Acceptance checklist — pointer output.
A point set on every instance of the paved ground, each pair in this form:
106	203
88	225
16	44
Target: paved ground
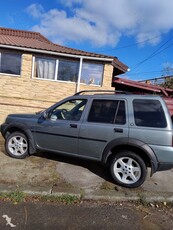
52	174
88	215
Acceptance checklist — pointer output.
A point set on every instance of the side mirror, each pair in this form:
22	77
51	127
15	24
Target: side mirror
45	114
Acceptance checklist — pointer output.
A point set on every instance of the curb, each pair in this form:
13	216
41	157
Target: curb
95	196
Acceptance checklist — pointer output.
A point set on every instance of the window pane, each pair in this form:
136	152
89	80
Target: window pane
10	63
121	114
45	68
70	110
68	70
92	73
103	111
149	113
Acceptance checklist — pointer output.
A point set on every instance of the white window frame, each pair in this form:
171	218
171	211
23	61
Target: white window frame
56	73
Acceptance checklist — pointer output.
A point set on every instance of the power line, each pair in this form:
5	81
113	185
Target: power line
156	52
126	46
163	49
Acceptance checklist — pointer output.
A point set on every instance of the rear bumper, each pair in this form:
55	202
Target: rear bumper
164	155
164	166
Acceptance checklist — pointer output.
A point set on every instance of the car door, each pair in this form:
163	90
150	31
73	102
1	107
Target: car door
105	122
59	132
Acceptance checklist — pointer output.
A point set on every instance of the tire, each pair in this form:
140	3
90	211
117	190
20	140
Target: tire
16	145
128	169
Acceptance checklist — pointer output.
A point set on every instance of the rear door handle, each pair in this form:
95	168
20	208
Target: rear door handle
116	130
73	125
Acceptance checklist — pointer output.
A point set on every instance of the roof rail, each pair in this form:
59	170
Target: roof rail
101	91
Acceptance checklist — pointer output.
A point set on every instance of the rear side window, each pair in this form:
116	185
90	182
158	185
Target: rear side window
107	111
149	113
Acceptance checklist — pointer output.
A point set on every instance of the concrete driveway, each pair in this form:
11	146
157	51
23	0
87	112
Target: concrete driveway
52	174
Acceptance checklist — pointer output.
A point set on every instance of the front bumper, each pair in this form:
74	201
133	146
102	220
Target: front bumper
3	129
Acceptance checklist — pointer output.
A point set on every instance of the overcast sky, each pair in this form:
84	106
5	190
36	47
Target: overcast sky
138	32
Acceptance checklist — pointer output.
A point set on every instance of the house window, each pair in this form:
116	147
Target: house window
92	73
68	70
45	68
10	63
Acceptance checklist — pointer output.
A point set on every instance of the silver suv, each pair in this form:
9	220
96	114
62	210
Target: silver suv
126	132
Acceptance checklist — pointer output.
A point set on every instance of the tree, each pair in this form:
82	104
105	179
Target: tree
168	76
167	70
168	82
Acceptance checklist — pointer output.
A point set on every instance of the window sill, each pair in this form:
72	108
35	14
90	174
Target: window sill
10	75
68	82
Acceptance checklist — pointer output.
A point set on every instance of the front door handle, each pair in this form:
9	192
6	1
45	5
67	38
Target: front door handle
116	130
73	125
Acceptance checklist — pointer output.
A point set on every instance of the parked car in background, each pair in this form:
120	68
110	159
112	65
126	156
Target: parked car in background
127	133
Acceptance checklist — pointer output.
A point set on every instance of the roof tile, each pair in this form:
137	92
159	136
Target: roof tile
34	40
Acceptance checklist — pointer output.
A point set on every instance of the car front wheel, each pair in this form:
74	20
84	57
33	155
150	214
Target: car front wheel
128	169
16	145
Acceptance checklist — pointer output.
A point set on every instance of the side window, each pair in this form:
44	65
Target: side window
107	111
149	113
70	110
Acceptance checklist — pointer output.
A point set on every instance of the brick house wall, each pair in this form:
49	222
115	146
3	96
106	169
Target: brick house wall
26	95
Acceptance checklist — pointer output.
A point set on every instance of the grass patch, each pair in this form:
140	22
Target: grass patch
16	197
107	186
142	200
65	199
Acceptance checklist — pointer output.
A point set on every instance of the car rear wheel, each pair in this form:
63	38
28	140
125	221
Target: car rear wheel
16	145
128	169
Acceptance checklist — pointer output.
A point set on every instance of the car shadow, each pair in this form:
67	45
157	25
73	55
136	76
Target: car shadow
93	166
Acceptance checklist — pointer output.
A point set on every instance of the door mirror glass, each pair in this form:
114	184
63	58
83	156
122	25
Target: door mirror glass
45	114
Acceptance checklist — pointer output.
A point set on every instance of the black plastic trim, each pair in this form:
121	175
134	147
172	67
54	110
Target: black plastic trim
6	127
131	142
164	166
70	136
